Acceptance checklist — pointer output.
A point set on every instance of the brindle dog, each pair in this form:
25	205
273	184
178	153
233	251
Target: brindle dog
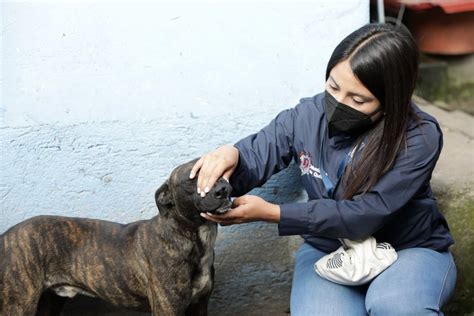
163	265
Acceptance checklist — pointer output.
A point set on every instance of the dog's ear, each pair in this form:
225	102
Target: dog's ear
163	198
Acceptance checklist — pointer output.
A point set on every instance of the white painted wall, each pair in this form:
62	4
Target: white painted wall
99	101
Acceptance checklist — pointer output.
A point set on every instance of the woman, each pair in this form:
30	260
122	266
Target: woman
366	153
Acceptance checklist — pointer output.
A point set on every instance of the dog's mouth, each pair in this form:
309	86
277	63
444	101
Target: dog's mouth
224	208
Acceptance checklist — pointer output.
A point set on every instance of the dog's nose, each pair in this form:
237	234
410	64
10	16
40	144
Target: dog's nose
221	192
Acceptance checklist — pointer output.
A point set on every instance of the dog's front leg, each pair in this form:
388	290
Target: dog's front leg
199	308
164	305
19	306
160	309
18	295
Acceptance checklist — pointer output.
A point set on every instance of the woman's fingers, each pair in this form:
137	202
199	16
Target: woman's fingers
202	174
213	168
218	163
196	168
210	172
214	218
211	179
227	174
239	201
231	217
205	167
245	209
222	170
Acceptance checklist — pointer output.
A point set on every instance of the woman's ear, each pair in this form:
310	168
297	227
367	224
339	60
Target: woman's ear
163	198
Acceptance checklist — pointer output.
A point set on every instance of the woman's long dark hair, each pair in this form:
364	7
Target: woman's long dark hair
385	59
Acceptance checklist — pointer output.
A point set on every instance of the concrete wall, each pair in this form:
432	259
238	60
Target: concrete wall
99	101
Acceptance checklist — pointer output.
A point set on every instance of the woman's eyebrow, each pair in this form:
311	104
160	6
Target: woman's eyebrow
334	81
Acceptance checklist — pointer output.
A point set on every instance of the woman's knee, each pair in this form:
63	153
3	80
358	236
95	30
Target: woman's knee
387	306
408	288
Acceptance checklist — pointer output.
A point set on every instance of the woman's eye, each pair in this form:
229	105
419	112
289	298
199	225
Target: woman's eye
333	87
359	102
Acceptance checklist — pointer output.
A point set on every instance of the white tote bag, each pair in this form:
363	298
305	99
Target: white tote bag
356	262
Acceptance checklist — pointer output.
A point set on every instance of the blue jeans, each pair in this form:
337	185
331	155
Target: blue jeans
420	282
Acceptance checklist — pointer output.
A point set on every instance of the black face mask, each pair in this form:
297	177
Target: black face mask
344	119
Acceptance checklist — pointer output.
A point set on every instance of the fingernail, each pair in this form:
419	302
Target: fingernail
203	215
206	189
191	176
225	179
203	194
209	213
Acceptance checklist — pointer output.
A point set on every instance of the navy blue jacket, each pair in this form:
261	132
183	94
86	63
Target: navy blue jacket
399	209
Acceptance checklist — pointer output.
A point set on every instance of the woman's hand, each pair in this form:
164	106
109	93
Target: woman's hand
218	163
247	208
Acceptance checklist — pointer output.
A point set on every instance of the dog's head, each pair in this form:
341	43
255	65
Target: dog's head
179	194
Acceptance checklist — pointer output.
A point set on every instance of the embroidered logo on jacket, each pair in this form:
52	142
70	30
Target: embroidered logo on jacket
306	167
